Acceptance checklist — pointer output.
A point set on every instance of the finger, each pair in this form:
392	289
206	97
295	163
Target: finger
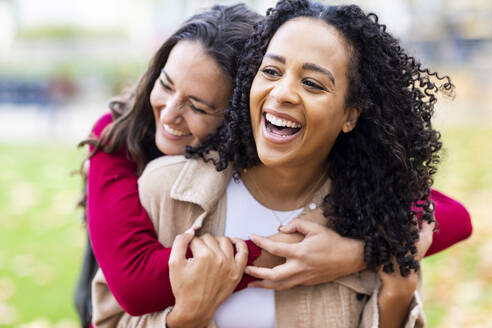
278	273
180	244
241	257
212	244
198	248
426	227
302	226
425	239
274	247
225	245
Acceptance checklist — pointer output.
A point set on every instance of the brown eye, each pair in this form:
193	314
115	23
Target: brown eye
270	71
314	85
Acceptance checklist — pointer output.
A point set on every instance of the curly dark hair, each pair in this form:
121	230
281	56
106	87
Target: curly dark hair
381	171
222	30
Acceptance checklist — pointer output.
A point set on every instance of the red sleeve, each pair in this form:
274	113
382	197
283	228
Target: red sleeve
453	221
125	243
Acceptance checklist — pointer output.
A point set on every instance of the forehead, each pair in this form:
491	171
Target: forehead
307	39
195	72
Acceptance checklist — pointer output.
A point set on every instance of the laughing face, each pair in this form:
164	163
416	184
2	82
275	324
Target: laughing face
189	98
297	99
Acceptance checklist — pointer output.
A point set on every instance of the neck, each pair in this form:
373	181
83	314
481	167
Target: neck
283	189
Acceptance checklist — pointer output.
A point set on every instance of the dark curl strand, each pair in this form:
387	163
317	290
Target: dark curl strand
382	171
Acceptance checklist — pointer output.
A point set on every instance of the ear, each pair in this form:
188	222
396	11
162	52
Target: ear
353	114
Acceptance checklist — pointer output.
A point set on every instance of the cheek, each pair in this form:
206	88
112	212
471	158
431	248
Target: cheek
201	127
257	96
256	92
154	97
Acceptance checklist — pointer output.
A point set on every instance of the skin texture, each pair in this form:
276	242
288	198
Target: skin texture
307	262
223	272
185	98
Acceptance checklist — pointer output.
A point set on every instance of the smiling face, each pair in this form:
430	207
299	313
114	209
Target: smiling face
297	99
189	98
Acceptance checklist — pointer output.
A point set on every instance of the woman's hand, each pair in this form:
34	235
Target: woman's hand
322	256
396	291
201	283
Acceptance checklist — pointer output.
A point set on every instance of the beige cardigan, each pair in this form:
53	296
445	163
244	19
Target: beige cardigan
179	193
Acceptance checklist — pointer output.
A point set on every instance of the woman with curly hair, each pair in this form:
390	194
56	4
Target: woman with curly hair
295	171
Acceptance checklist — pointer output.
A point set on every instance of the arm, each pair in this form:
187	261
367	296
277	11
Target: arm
323	255
453	222
201	283
125	243
396	293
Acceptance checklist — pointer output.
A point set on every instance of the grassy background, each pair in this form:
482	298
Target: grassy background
41	237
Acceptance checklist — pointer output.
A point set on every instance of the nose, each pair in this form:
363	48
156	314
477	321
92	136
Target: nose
285	91
172	111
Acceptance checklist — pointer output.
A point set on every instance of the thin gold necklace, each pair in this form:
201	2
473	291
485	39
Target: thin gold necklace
281	222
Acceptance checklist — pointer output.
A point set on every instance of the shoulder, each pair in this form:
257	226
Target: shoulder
161	174
164	165
102	123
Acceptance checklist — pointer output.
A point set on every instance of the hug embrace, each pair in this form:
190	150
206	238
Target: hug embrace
270	172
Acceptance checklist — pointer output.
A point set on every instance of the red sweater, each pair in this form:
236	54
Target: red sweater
133	261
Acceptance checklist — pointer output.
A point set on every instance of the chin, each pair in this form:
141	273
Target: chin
269	159
169	148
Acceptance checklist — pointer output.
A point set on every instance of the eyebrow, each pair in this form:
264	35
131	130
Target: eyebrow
276	57
167	76
319	69
203	102
197	99
306	66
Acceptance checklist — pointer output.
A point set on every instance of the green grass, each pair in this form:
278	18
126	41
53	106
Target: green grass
457	282
41	238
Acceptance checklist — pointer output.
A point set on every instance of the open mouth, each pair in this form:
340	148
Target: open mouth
281	127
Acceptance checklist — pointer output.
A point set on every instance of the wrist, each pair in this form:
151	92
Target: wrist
182	319
396	294
356	247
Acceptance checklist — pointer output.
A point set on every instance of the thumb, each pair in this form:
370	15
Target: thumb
180	245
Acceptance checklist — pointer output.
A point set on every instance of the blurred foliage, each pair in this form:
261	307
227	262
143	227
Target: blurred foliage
458	281
41	239
68	32
113	76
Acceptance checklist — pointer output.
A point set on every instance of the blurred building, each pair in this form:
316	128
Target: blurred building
68	56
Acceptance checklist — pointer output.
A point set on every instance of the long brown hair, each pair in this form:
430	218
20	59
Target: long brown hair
222	30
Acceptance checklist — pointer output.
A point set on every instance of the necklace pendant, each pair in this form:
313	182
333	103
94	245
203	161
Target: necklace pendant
280	227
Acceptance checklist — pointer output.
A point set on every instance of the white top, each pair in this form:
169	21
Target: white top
250	307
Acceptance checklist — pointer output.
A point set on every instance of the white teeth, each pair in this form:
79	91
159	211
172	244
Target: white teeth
280	122
173	131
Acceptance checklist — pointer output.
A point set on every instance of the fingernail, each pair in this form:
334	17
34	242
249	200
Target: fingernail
247	270
191	231
251	236
283	227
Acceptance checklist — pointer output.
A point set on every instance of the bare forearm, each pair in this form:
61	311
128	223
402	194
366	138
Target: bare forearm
393	308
